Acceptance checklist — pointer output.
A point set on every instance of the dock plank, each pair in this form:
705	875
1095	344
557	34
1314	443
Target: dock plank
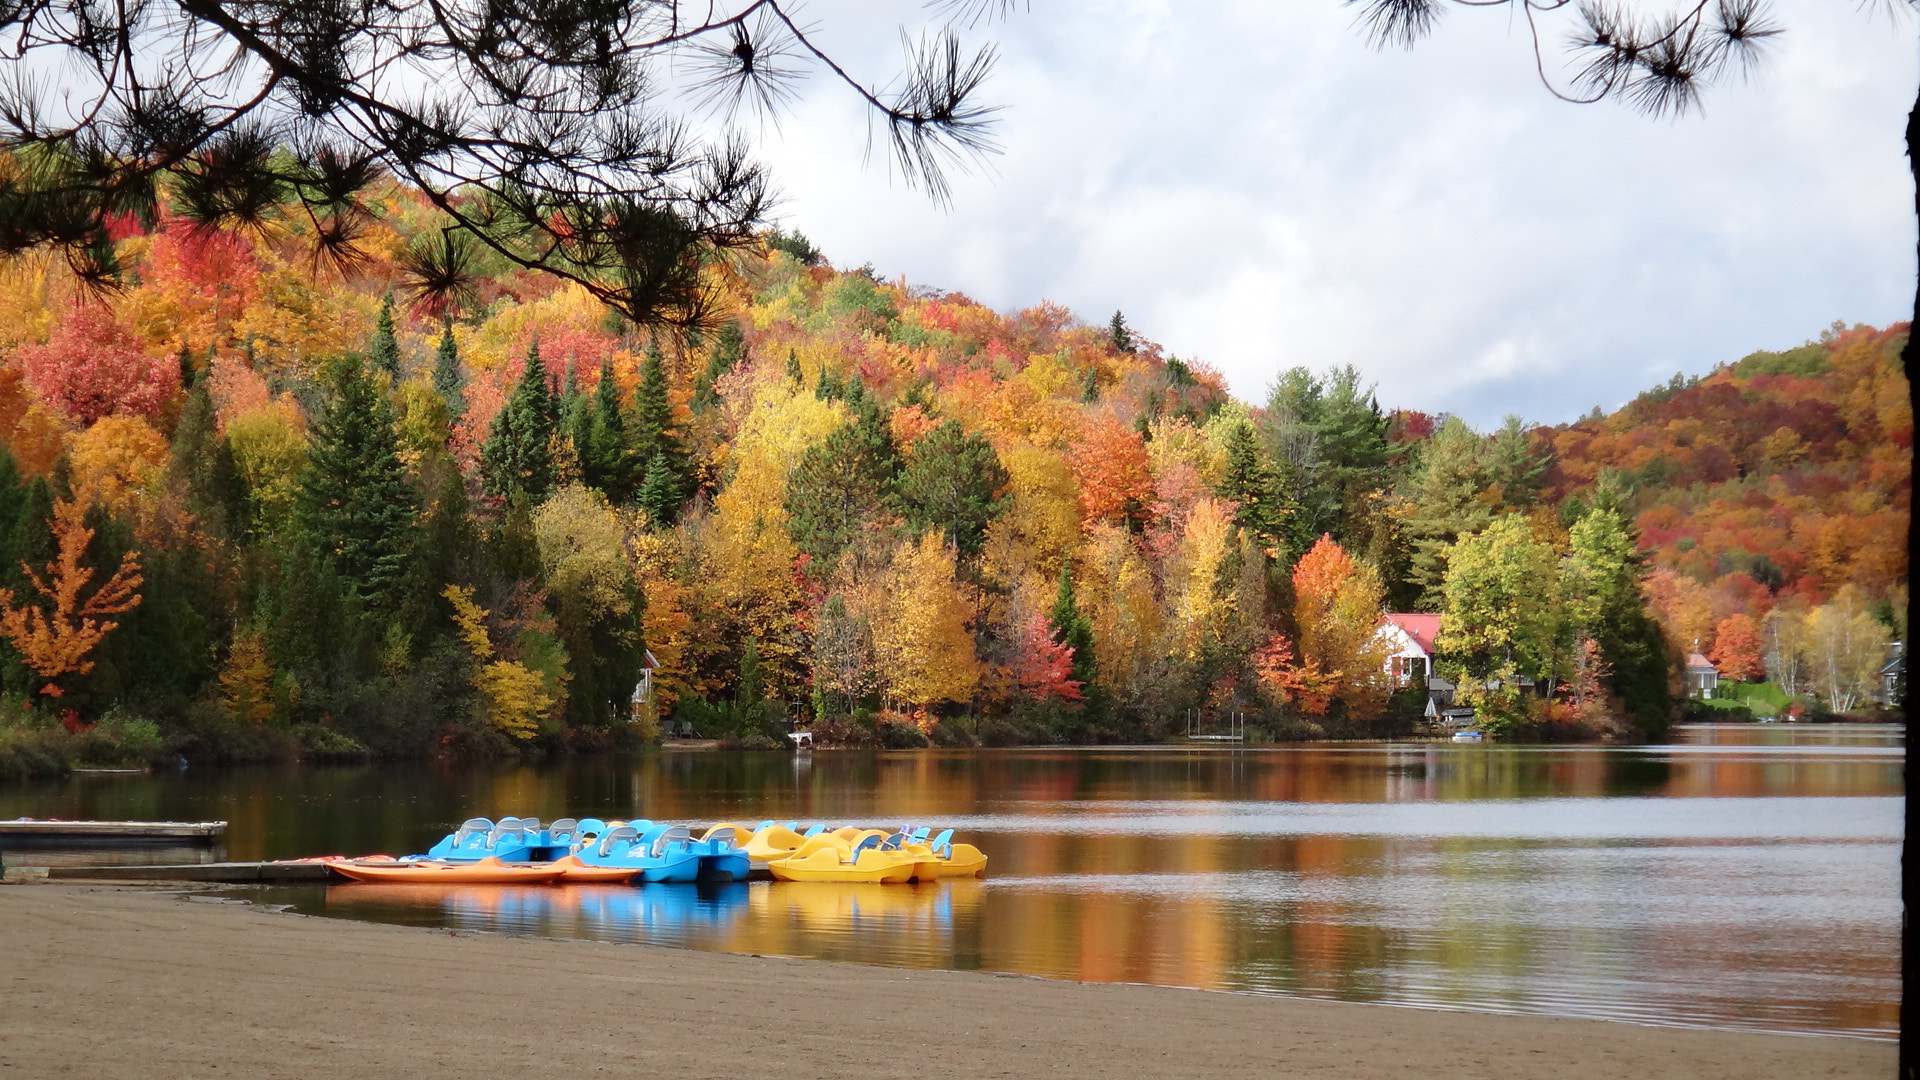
27	831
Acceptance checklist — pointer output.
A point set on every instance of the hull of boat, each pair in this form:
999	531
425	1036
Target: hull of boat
731	866
484	872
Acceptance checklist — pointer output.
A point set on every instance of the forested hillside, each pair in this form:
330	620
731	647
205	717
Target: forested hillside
254	505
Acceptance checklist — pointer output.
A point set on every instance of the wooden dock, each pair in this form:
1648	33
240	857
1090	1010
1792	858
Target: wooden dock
220	873
224	873
25	832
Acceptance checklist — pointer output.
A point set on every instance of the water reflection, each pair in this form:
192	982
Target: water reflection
1746	876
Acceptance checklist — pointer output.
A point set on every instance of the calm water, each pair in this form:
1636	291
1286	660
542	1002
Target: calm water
1746	876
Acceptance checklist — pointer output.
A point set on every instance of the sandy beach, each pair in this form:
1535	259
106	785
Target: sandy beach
109	982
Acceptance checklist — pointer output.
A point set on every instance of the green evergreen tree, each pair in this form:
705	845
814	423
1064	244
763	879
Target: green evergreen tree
1447	505
828	386
1601	574
607	458
355	504
659	493
186	366
1090	387
655	435
751	691
384	351
729	348
794	374
1072	629
1514	466
1118	334
448	378
1261	502
1328	439
841	483
954	482
517	457
202	464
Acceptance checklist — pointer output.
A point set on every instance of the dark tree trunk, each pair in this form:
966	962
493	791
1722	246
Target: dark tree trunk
1909	890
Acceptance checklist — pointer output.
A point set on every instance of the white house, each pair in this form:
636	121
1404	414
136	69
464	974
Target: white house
1702	676
1408	638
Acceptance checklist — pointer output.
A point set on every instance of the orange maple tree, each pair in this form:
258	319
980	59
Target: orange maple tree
1301	684
55	635
1736	648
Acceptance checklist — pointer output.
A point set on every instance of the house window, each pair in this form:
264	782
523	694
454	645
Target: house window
1409	671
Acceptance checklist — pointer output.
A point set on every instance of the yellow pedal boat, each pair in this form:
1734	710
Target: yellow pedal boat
832	863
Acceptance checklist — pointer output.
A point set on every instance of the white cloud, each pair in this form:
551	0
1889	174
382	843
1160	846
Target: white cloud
1256	188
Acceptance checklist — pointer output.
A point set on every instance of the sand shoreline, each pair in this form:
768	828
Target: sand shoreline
115	981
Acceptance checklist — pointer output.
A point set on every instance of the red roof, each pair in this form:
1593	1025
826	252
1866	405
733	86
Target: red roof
1422	628
1696	662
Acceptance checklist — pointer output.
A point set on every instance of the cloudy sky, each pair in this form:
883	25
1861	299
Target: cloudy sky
1257	189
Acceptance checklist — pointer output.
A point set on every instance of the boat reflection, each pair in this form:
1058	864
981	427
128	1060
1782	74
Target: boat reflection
792	919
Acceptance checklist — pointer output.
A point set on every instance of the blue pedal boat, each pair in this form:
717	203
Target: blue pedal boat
661	853
721	857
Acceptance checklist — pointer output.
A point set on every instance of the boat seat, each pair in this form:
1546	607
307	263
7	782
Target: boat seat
666	837
470	829
919	835
871	840
561	831
892	843
620	836
725	834
943	844
813	831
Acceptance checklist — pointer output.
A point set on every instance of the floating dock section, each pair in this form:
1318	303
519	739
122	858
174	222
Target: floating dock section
29	832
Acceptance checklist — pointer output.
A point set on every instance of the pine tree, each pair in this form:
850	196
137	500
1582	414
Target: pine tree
517	457
1446	504
1119	335
1090	387
447	376
659	493
186	366
794	374
654	432
1514	465
1261	504
607	459
1071	628
954	482
203	463
384	351
840	483
729	348
355	505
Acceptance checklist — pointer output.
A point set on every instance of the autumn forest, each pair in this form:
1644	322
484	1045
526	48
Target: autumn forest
253	506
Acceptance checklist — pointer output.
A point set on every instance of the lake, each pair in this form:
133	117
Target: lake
1744	876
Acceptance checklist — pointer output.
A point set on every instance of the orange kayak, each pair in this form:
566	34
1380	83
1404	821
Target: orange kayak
575	872
488	871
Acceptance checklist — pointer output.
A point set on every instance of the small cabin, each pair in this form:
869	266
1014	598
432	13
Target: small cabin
1891	671
1702	676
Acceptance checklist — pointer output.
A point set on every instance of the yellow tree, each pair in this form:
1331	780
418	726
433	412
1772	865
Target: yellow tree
247	679
924	645
1199	601
1115	584
56	634
116	465
516	697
